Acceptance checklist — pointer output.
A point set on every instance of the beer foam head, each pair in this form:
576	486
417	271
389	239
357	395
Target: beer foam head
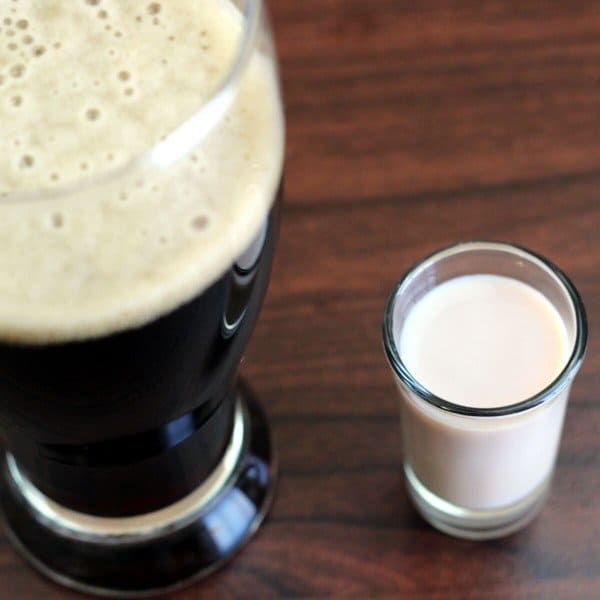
111	211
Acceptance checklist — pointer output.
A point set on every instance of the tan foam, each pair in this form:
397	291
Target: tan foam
87	86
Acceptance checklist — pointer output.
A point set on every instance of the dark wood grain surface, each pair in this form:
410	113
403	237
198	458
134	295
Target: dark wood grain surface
411	125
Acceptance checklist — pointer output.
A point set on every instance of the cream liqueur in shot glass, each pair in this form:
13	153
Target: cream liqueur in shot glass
484	340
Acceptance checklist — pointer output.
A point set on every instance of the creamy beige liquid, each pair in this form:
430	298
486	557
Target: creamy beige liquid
89	88
482	341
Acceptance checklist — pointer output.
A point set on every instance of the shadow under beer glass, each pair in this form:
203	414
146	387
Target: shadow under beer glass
482	472
133	461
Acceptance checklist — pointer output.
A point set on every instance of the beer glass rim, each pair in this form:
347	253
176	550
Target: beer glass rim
549	392
183	136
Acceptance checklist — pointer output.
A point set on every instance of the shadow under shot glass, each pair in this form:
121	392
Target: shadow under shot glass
484	340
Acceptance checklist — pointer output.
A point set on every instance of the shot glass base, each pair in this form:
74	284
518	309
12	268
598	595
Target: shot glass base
157	552
474	524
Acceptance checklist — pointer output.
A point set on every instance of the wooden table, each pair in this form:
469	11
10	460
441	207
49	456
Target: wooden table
411	125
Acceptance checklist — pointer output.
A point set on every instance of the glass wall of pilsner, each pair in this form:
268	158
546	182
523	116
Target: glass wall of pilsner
137	221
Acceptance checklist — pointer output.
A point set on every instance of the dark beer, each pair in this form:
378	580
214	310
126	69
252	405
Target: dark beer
128	423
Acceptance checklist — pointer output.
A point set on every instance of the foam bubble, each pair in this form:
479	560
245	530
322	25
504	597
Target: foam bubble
27	161
17	71
57	220
93	114
200	223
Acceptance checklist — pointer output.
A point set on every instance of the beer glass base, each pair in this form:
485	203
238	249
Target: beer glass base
469	523
157	552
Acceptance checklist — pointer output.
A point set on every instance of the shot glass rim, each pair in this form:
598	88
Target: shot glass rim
549	392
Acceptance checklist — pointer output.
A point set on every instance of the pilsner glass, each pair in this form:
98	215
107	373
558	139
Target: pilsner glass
133	460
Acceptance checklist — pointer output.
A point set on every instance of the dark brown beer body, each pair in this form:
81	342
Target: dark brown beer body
131	422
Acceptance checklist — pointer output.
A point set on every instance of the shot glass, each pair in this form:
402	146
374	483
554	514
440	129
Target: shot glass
471	472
